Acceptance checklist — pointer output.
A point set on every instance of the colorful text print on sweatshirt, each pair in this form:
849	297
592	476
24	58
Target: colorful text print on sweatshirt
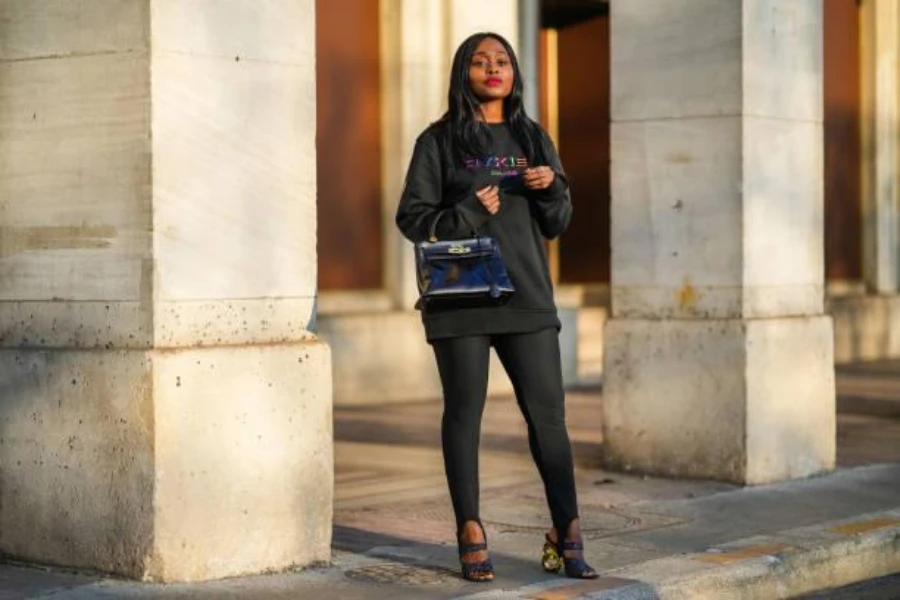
502	166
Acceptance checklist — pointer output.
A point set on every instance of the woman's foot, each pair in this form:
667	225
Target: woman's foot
571	551
473	557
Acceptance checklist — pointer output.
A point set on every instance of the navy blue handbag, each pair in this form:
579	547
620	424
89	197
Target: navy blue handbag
466	273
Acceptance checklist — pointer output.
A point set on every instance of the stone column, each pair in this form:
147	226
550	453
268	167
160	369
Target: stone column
419	38
414	86
880	56
165	411
529	53
719	360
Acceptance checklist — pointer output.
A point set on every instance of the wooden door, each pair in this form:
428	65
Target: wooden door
348	144
843	198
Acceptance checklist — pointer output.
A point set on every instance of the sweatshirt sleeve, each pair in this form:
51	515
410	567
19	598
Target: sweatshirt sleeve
553	206
421	201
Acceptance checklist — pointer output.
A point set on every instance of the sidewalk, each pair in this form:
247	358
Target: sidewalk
650	537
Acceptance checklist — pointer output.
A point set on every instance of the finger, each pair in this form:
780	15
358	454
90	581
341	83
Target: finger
486	194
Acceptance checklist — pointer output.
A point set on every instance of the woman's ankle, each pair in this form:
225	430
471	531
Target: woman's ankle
553	535
472	531
573	532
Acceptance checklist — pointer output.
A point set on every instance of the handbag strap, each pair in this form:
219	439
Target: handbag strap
432	231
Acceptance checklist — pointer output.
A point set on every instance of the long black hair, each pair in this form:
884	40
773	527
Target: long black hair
467	134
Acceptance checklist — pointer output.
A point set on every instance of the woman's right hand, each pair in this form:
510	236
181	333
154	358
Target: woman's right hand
490	198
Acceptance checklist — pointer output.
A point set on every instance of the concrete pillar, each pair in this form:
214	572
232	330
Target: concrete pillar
719	360
880	56
419	38
165	412
529	53
414	76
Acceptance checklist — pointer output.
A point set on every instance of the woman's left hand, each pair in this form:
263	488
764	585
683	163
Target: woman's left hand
538	178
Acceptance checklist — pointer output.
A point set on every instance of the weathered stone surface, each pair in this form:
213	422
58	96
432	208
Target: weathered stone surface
675	189
368	372
865	327
782	58
74	179
234	177
77	460
175	465
244	460
687	68
201	28
790	390
165	412
680	183
675	398
713	59
783	217
743	401
719	361
59	28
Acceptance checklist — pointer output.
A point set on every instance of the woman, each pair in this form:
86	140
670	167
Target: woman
490	168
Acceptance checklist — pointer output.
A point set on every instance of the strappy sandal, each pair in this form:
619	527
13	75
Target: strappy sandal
554	556
481	571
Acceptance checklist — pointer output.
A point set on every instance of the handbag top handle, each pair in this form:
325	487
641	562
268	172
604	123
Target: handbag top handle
432	232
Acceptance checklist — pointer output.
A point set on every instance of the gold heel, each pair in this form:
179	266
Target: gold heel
550	558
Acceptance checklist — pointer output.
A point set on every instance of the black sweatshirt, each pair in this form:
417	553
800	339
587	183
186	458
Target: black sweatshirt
434	183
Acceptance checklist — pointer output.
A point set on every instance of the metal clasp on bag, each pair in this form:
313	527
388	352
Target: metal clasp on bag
459	249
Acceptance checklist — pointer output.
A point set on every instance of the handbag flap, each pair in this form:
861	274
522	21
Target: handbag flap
457	249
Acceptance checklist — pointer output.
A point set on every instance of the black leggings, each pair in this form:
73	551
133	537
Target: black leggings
532	362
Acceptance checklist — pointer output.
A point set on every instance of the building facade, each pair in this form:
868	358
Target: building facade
365	269
198	256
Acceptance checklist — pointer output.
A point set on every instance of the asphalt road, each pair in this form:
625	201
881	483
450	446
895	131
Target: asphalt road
886	588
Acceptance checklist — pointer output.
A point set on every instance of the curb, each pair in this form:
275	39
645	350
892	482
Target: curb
783	565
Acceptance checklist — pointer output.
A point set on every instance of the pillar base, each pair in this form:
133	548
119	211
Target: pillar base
745	401
167	465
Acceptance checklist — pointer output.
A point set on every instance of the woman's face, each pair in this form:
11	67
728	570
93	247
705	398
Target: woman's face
491	71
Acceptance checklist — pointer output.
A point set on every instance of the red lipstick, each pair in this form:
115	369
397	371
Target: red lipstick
493	81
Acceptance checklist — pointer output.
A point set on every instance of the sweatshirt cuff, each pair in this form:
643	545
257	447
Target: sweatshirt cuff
558	187
556	190
473	212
